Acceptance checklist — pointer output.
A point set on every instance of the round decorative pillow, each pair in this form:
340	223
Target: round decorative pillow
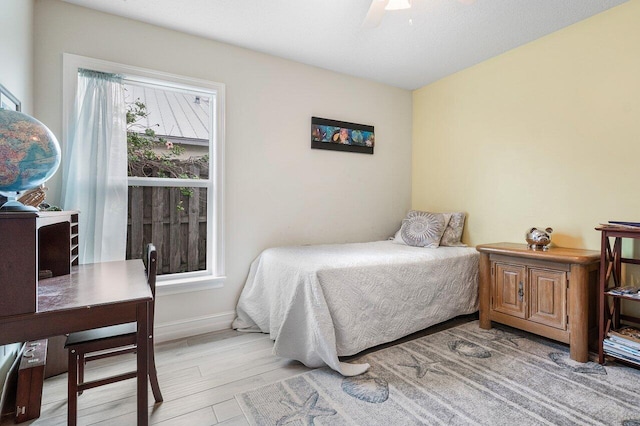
423	229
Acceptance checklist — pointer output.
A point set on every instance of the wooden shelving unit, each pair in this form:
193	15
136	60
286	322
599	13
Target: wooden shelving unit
609	305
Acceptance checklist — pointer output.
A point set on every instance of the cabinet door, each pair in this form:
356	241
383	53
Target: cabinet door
548	297
508	293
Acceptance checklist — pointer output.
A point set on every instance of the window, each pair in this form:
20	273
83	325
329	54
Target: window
168	146
175	167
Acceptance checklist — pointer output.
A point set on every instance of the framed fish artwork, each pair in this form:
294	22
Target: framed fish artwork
341	136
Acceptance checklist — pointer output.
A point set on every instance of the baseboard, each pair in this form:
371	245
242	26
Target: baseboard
193	326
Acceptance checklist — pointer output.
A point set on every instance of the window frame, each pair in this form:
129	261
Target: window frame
214	275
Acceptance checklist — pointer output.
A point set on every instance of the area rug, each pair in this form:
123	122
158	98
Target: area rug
461	376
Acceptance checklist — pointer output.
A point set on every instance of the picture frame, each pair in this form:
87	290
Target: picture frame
8	101
341	136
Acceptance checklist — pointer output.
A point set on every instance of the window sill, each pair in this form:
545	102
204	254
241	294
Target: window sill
187	285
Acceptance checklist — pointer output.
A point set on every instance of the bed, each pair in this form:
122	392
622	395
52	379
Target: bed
325	301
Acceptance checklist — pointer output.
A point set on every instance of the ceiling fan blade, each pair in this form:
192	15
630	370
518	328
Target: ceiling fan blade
375	13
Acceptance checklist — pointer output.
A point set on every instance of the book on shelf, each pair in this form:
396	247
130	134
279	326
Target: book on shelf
623	341
621	348
629	291
622	356
617	222
623	225
628	333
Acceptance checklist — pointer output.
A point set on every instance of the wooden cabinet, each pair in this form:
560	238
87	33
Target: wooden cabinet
551	293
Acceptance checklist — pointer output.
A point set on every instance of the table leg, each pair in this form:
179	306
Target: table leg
579	313
143	362
72	390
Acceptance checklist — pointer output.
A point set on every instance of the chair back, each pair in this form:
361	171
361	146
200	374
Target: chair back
151	264
150	260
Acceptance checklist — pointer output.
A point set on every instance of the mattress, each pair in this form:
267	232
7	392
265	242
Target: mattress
325	301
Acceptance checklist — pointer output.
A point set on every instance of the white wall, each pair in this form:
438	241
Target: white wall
16	74
16	50
278	190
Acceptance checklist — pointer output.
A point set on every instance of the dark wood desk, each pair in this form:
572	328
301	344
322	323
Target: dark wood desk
92	296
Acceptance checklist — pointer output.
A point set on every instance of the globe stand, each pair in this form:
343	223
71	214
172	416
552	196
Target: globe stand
13	205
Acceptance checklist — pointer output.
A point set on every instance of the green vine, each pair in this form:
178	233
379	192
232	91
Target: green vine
150	155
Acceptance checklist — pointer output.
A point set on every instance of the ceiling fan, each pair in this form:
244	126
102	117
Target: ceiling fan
379	7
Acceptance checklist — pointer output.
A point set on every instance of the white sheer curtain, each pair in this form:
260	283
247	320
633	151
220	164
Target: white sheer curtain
95	167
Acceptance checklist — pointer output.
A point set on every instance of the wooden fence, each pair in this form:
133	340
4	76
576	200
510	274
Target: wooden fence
176	223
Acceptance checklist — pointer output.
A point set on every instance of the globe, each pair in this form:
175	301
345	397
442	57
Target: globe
29	153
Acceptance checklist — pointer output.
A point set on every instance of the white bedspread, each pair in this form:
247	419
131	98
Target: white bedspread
324	301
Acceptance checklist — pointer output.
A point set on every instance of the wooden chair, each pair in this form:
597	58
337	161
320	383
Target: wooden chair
90	345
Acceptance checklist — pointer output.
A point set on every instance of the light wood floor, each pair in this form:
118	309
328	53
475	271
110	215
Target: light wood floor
199	377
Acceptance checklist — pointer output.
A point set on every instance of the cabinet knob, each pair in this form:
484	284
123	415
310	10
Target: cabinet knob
520	291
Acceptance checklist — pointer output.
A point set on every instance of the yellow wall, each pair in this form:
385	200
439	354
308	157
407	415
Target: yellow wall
547	134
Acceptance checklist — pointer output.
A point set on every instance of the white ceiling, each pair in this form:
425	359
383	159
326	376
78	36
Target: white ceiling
445	35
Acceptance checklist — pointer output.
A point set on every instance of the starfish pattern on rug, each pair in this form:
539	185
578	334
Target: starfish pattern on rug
305	412
422	368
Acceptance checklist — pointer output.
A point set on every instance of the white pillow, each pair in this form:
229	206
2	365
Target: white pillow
422	229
